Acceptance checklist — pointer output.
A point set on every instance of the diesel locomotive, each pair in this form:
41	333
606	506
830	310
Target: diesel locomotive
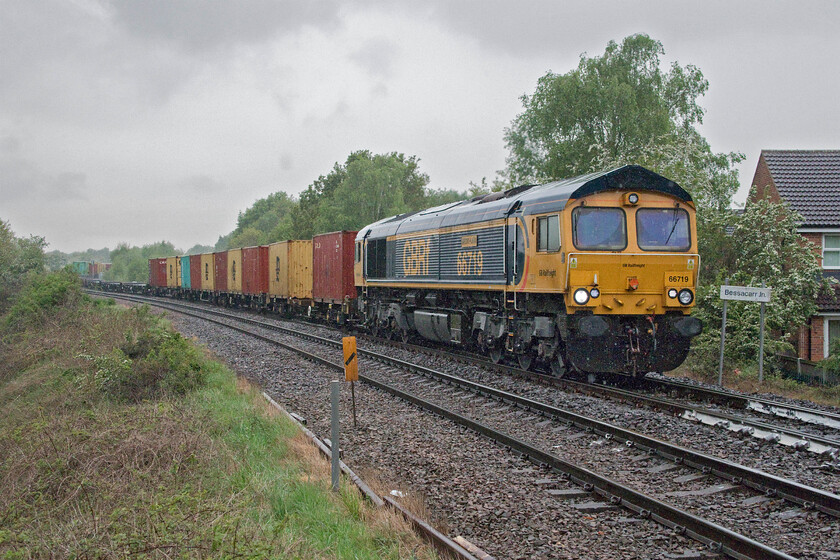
595	274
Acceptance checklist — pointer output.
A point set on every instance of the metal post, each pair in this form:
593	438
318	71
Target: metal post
761	344
353	392
335	387
722	339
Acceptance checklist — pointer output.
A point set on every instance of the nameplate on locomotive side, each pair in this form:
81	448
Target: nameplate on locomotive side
469	241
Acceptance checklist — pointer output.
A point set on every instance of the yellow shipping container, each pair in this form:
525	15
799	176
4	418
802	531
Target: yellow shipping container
234	276
173	272
208	272
290	269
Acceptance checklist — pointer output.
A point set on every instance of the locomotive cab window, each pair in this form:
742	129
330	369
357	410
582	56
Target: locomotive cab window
376	258
548	233
599	229
662	229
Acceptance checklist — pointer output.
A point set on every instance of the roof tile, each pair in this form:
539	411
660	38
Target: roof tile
808	180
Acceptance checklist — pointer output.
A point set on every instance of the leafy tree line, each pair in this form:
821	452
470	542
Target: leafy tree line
366	188
131	264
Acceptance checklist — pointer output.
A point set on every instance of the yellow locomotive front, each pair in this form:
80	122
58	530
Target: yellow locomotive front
626	264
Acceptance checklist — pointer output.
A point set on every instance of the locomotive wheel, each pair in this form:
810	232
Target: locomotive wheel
526	361
496	355
558	368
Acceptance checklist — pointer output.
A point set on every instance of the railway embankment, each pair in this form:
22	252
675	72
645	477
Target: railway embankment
121	438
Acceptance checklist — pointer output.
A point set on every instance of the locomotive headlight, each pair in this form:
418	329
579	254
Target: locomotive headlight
581	296
686	297
633	198
594	292
672	293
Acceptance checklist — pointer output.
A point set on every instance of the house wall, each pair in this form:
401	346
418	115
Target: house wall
817	333
763	181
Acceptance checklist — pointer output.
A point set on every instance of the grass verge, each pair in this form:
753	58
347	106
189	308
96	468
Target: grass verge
206	471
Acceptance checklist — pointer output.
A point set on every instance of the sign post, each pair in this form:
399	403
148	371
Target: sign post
335	467
722	338
744	293
351	368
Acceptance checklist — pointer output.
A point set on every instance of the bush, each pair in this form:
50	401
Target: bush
832	363
41	296
155	363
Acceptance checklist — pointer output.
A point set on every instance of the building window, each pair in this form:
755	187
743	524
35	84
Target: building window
548	233
832	333
831	251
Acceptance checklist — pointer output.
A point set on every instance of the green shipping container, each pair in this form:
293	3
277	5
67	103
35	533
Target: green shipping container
185	272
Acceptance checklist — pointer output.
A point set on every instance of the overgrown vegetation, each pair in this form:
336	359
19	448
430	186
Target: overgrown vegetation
94	465
20	259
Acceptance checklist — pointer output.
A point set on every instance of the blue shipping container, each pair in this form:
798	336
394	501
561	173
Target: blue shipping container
185	273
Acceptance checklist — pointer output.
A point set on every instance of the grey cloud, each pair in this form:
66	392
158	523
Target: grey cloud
9	145
197	25
376	56
22	180
567	28
202	184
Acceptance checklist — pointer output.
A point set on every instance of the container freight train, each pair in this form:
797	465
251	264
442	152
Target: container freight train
595	274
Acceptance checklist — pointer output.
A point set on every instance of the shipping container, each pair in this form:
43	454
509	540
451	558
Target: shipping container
157	273
185	273
234	271
220	260
332	266
290	269
255	270
195	272
80	268
173	272
208	272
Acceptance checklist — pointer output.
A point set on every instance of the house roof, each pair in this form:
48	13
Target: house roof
808	180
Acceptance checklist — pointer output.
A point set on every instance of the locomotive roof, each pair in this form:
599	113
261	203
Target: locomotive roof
525	200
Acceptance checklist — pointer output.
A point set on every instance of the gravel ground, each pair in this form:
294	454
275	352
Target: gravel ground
471	487
382	445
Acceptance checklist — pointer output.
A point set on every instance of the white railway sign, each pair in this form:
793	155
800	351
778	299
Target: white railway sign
745	293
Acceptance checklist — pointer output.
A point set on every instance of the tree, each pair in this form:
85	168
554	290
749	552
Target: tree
767	248
131	264
367	188
620	102
20	259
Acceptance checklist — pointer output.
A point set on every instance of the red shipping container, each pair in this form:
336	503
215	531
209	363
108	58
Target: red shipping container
332	266
157	273
221	271
255	270
195	272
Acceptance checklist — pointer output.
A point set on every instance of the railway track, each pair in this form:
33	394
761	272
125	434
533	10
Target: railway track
751	487
826	445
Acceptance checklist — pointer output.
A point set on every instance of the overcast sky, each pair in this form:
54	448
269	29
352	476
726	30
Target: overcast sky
138	121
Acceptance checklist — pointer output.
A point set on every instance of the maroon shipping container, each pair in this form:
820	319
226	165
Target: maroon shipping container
221	271
195	272
157	273
255	270
332	266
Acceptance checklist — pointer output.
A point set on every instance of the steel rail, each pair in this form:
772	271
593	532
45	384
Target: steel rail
714	536
765	483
